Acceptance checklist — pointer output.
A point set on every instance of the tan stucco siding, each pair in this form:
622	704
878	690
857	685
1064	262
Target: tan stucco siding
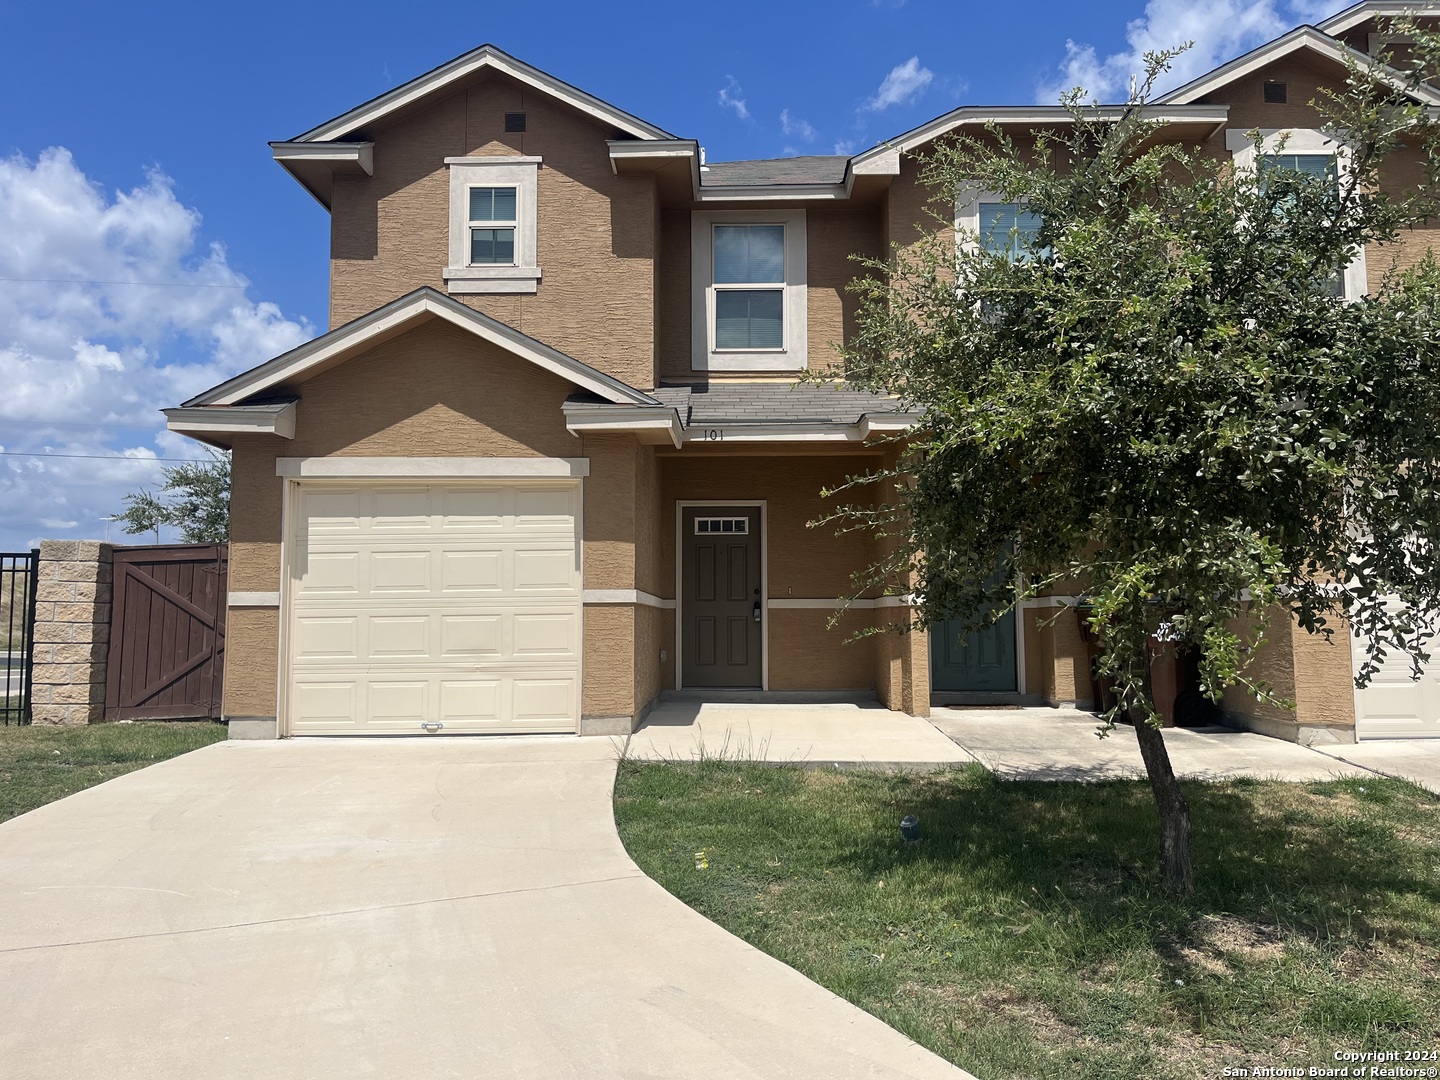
1307	669
596	232
831	237
252	658
608	665
806	653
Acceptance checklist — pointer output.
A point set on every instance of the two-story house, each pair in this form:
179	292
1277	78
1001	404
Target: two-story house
551	459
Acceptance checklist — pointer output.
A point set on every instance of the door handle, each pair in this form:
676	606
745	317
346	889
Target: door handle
756	611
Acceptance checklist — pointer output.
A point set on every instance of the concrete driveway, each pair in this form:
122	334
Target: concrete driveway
408	908
1060	744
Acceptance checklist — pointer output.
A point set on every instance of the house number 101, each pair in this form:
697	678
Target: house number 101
713	435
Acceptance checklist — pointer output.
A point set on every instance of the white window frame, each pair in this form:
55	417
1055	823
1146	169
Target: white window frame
1306	141
521	173
794	355
967	214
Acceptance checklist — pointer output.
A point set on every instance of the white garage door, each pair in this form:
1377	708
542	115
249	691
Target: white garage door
1394	705
435	603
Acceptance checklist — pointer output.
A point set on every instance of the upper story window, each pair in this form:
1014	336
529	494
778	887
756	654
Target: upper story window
1311	153
1008	229
748	306
492	225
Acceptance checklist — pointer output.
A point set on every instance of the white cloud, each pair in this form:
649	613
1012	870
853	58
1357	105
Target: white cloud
845	146
1220	29
730	98
87	361
904	84
794	126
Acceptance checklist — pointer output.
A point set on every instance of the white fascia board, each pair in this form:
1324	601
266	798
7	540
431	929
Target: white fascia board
1352	17
1304	37
775	193
486	56
651	150
386	468
360	154
232	420
425	301
620	420
798	432
884	160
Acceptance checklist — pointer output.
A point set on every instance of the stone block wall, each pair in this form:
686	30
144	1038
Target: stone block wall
72	631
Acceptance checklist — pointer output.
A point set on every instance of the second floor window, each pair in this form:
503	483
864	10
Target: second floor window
1008	229
492	226
747	316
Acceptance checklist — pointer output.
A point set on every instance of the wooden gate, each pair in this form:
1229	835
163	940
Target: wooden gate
167	632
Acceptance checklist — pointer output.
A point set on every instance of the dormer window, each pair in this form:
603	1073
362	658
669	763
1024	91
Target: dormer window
748	310
492	225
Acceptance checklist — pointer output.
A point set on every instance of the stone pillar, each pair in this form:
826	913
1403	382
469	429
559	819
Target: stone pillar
72	631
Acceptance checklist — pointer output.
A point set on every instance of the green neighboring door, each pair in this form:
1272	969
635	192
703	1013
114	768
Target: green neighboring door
985	662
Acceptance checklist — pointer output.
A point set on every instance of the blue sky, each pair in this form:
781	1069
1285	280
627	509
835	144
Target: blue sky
132	149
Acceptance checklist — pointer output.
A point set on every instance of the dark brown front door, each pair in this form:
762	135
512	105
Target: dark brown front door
720	596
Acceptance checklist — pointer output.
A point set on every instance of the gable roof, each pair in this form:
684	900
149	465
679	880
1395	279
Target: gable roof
826	169
486	56
1363	12
386	322
1301	38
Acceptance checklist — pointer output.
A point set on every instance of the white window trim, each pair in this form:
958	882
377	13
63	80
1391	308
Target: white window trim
521	173
703	354
967	214
1302	141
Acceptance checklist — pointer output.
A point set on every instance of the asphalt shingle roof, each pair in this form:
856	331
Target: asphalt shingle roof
789	170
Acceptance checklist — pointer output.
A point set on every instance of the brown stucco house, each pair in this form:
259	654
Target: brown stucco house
551	461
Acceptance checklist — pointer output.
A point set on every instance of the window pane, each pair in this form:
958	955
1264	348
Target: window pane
1006	229
492	204
492	247
1320	166
749	319
749	253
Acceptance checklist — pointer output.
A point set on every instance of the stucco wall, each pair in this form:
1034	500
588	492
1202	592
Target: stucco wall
596	232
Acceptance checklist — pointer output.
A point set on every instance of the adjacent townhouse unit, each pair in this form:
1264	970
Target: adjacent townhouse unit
551	460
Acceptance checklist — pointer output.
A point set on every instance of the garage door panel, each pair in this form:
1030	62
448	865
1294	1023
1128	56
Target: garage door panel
472	571
472	510
449	602
403	636
544	571
472	637
470	699
327	638
542	699
1395	704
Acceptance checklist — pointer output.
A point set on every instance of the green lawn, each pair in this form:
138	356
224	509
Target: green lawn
1026	935
40	764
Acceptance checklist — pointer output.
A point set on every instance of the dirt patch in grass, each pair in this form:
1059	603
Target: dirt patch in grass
1027	936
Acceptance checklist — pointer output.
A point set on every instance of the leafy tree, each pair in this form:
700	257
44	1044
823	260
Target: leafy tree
1160	401
194	498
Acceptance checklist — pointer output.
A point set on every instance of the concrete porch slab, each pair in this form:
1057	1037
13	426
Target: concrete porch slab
1061	744
845	733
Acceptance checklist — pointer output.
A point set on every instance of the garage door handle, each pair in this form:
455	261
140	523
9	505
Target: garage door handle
432	726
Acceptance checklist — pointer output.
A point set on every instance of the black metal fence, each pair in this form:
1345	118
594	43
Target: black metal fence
19	582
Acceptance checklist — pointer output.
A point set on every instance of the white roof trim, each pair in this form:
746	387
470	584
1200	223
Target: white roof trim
1303	37
423	302
801	431
1352	17
330	153
486	56
627	418
879	159
235	420
452	467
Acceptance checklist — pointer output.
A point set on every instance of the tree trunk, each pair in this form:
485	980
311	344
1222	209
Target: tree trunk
1175	872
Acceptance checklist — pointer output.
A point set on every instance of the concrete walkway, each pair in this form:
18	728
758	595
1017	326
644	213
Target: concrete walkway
812	734
407	908
1060	744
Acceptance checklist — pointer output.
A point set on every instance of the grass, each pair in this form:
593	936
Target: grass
1027	936
41	764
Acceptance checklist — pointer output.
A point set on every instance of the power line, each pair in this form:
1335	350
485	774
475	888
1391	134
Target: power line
107	457
161	284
